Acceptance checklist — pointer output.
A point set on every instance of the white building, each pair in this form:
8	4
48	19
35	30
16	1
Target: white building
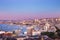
46	27
52	29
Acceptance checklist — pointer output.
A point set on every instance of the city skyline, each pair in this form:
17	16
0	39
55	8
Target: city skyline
24	9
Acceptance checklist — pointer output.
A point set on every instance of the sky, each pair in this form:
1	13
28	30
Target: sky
26	9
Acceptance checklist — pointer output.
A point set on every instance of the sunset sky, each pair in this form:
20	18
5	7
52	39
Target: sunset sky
24	9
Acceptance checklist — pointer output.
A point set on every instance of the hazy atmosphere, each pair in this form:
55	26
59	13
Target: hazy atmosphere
20	9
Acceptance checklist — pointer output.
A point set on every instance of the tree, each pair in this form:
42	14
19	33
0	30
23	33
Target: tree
49	34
